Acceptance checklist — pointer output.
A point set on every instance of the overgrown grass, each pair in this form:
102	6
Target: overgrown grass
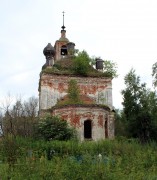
68	67
70	72
114	159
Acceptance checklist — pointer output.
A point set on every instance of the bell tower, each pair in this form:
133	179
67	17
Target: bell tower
63	47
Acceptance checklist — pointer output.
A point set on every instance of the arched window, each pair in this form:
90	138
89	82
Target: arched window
106	129
64	50
88	129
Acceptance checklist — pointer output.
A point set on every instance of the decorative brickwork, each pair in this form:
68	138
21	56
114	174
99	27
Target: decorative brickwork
54	88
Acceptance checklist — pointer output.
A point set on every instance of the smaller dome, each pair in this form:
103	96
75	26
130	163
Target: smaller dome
49	50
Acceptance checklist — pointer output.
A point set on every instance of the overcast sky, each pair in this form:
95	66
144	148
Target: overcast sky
124	31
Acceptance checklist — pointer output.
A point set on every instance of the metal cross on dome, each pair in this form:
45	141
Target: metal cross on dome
63	27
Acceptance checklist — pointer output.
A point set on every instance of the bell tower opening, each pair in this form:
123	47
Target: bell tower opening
88	129
64	51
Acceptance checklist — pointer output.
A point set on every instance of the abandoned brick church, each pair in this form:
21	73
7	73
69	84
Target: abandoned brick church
94	118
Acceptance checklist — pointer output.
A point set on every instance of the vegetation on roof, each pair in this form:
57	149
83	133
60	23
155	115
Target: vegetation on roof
81	65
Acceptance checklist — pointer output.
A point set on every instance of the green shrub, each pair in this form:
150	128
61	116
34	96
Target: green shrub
73	96
73	91
10	148
110	69
81	63
54	128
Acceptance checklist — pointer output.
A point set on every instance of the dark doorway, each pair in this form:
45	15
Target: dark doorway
106	129
88	129
64	50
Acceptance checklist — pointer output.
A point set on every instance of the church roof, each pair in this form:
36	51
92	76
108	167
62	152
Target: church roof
63	39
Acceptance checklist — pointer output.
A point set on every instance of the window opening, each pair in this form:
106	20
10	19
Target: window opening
106	129
88	129
64	50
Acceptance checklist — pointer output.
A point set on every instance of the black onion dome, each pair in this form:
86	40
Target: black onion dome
49	50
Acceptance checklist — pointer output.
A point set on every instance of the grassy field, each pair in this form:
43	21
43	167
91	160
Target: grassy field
30	159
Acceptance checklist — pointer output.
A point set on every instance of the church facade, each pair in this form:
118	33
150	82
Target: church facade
94	118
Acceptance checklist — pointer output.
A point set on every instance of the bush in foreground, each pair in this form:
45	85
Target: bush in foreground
54	128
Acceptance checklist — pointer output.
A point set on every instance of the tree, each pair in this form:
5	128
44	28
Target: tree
154	74
120	124
139	108
54	128
81	63
110	68
19	118
1	120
